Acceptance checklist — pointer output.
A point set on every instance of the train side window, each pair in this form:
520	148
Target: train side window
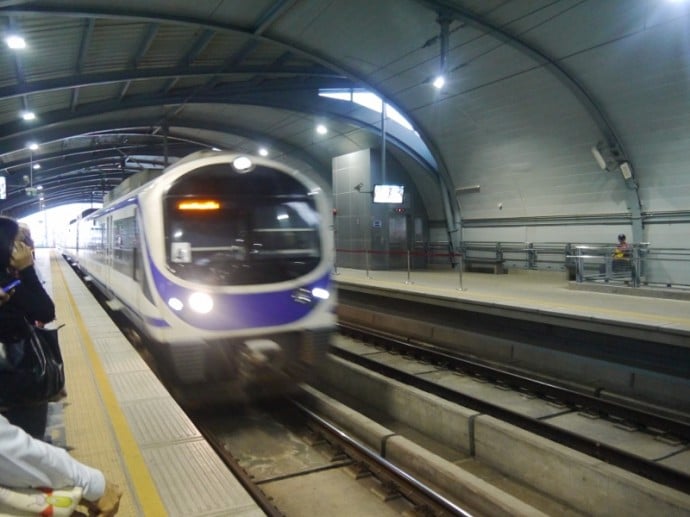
124	244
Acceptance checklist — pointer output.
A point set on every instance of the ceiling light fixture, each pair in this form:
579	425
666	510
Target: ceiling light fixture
444	21
28	115
15	42
439	82
321	129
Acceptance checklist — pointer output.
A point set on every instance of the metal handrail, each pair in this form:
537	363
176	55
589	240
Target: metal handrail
584	262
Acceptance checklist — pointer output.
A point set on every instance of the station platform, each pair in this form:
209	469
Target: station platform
660	313
119	418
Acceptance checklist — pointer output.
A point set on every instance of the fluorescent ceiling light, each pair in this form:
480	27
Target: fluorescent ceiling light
28	115
598	157
439	82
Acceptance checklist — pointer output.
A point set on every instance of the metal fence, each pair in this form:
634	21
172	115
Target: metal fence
586	262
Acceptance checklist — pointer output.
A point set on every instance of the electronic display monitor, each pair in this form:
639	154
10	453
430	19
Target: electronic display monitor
389	193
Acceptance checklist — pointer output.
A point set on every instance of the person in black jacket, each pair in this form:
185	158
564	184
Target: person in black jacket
27	302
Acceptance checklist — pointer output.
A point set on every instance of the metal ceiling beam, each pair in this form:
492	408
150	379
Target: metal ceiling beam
198	47
72	157
190	56
74	100
271	15
124	89
84	44
145	44
264	22
78	81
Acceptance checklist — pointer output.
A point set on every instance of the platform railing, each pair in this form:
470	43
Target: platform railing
646	266
585	262
420	258
598	263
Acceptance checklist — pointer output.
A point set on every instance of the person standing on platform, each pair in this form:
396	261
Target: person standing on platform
28	302
621	255
29	463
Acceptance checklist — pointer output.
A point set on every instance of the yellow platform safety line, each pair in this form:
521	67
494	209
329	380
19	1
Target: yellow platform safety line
147	493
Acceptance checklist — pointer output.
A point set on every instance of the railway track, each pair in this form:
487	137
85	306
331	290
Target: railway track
655	426
297	463
492	429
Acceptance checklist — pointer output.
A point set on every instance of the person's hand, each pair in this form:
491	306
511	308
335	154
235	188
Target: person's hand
21	256
109	502
3	296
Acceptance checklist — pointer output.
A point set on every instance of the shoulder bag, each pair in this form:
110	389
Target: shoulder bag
31	369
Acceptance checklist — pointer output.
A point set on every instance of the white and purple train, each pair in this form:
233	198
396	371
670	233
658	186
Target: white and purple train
224	264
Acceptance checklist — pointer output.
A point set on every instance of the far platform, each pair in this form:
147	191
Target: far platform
539	294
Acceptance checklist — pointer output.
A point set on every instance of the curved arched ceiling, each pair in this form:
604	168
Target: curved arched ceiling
531	87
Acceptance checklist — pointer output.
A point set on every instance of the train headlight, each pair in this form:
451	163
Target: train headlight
201	303
242	164
175	304
321	293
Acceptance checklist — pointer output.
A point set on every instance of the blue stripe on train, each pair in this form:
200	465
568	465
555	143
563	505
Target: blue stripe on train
241	311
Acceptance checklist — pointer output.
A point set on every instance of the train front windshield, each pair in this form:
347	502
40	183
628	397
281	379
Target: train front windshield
224	228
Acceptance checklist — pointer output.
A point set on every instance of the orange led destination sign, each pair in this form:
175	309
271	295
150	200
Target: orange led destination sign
198	204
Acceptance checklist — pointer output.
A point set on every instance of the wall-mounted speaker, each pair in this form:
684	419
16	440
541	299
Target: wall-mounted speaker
626	170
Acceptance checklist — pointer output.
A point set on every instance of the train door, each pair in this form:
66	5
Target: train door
108	251
398	241
137	260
